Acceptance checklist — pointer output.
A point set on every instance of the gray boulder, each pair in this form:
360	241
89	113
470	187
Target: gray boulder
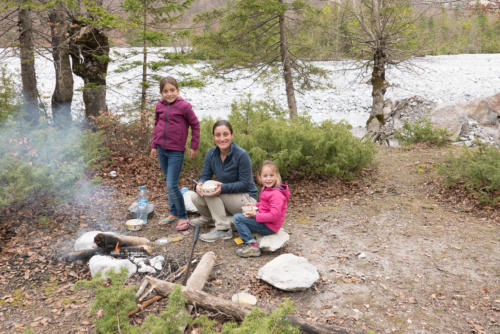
289	272
451	118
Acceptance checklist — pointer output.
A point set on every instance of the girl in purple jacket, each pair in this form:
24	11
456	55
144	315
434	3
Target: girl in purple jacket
268	214
173	118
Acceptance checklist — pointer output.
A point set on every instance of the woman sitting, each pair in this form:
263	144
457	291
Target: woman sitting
232	167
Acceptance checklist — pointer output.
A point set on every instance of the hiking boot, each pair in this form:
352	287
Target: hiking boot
216	235
248	251
200	221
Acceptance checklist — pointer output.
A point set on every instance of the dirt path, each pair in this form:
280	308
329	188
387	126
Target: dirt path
395	260
392	259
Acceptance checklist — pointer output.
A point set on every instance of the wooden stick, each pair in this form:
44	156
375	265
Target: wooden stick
144	305
196	281
199	277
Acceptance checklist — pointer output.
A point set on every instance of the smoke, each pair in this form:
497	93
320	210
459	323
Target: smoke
46	164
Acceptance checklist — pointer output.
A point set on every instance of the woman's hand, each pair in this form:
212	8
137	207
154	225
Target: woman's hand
197	188
192	153
218	190
153	153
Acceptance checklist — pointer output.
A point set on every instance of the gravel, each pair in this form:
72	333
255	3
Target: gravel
445	80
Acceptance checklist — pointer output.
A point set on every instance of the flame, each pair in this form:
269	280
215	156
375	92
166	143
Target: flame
116	247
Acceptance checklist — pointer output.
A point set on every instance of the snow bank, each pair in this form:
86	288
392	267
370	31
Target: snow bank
440	79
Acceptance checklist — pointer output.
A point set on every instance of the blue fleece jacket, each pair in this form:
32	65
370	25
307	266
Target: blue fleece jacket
235	172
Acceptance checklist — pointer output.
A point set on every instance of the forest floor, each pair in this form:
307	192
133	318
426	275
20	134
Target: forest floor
396	252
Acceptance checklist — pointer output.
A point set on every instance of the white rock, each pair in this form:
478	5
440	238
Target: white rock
86	241
188	202
289	272
244	298
104	263
273	242
144	268
157	262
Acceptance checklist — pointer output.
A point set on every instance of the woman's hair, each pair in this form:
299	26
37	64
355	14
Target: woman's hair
222	122
168	80
274	167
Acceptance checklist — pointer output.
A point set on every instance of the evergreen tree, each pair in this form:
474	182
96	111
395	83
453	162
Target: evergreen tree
254	36
151	20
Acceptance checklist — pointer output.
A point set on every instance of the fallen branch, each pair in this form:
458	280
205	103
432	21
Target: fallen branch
196	281
144	305
237	311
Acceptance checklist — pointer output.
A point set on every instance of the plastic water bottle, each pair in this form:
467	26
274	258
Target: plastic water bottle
142	205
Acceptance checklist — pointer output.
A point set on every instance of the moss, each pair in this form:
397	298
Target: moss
50	288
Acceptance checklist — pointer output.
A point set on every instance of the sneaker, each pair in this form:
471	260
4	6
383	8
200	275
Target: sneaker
248	251
200	221
216	235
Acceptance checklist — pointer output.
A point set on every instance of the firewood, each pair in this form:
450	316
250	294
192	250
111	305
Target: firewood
237	311
144	305
83	254
109	240
196	281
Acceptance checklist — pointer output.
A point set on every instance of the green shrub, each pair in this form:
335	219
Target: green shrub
299	145
112	302
45	163
424	132
255	322
477	170
9	104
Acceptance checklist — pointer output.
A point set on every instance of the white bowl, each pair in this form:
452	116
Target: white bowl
248	208
134	224
208	188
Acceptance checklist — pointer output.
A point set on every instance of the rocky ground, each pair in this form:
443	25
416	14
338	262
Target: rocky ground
396	253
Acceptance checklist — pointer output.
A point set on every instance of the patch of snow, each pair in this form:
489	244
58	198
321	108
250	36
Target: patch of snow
444	80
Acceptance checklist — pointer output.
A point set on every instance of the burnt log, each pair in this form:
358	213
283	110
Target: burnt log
109	241
84	255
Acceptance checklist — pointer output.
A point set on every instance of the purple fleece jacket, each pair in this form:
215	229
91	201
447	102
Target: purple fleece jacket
172	122
272	206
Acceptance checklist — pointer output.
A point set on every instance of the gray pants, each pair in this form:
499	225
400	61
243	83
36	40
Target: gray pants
221	208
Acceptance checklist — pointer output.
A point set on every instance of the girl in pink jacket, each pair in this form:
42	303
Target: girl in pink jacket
268	214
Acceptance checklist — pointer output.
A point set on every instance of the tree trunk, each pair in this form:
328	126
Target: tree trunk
287	68
63	92
144	69
144	62
89	49
379	86
28	74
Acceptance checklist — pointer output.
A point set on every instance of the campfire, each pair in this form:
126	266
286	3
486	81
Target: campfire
114	245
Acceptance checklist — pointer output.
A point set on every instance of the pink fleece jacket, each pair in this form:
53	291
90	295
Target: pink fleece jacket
272	206
172	122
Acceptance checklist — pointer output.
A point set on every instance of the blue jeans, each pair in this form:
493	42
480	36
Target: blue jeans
171	165
247	226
